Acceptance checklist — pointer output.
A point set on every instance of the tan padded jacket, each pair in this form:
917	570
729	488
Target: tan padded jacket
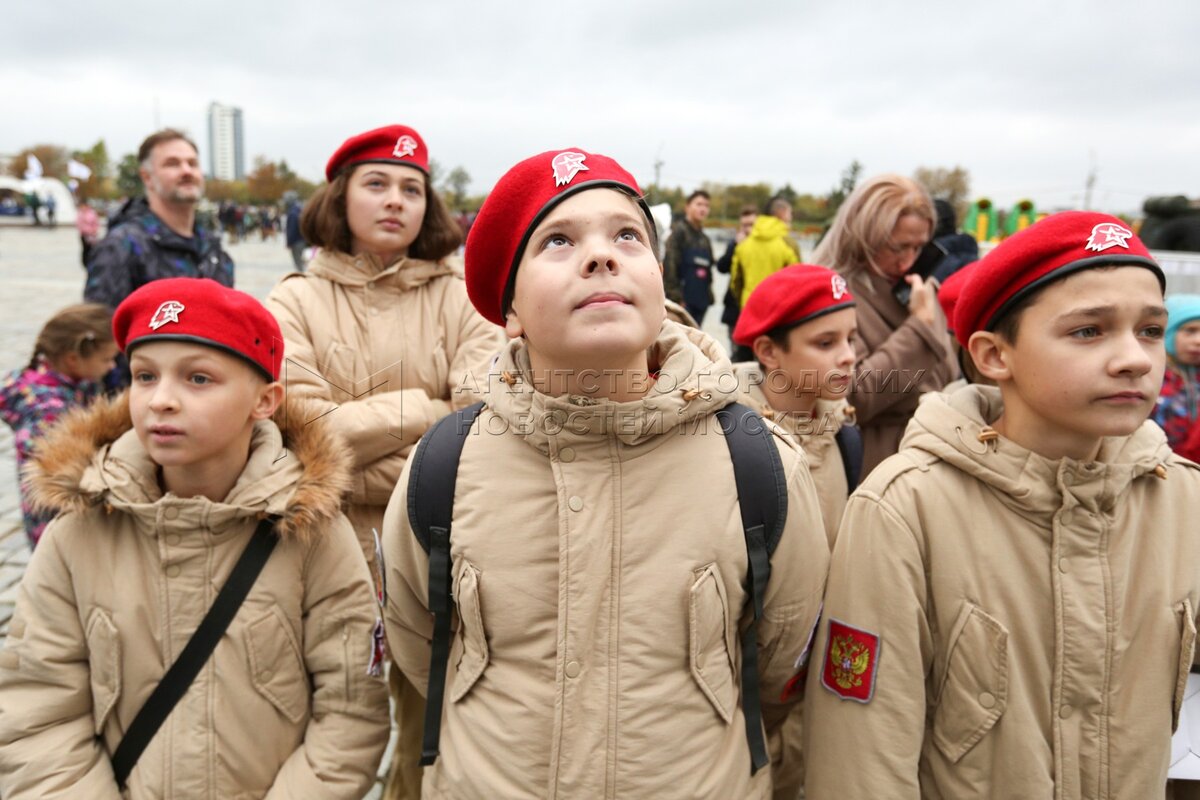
598	567
283	708
382	353
1036	618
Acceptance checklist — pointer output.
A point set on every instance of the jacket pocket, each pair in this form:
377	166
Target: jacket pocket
710	647
276	669
471	642
104	666
974	688
1187	651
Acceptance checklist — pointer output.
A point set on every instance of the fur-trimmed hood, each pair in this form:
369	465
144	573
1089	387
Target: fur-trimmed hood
93	457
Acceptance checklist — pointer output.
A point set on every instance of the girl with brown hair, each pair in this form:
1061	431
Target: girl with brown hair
381	339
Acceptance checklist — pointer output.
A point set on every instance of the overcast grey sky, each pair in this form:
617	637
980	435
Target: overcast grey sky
1022	94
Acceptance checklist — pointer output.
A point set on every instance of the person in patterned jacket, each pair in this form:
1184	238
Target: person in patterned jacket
74	350
158	236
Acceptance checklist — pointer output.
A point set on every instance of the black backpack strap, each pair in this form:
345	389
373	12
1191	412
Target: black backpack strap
430	511
850	445
762	498
196	652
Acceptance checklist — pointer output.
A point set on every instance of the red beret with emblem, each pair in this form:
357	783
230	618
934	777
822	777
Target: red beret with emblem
520	200
391	144
1057	246
201	311
793	295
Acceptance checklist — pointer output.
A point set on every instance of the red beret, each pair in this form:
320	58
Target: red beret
201	311
392	144
950	290
792	295
520	200
1057	246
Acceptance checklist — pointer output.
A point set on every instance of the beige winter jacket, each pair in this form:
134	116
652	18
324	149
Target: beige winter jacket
1036	618
899	359
284	707
817	434
383	353
598	570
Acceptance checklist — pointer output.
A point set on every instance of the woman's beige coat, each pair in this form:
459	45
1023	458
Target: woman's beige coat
598	567
284	707
1037	618
381	353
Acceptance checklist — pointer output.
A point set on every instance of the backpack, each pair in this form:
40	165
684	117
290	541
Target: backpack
850	445
762	498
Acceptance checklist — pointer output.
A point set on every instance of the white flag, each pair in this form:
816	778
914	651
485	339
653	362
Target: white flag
33	168
77	169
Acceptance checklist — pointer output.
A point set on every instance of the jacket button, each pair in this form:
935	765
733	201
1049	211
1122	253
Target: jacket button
1065	712
370	284
575	503
173	571
1064	565
174	539
1068	479
566	454
1065	518
572	669
171	513
987	699
265	675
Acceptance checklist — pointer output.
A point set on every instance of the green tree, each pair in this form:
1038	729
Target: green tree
129	182
849	180
455	186
95	159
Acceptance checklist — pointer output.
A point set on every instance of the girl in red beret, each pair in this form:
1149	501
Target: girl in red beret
380	336
903	350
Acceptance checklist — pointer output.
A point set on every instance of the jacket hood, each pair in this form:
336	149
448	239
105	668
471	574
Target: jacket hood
298	471
956	428
350	270
768	227
131	209
694	380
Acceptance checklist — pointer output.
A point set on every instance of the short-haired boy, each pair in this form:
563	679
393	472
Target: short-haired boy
597	554
1012	601
159	493
800	323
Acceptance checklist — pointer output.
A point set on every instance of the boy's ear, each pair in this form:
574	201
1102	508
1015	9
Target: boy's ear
990	352
270	397
512	324
766	351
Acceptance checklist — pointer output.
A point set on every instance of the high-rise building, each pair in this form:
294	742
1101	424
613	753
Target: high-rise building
226	151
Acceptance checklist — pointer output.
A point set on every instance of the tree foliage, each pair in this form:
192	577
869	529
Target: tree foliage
53	158
951	184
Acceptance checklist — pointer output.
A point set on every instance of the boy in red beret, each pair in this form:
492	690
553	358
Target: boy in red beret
1011	610
598	559
160	493
800	325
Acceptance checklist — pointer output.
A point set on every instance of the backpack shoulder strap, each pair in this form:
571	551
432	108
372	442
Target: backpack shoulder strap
431	483
762	499
850	445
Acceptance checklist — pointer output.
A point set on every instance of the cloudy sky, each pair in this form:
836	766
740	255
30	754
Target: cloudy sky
1028	96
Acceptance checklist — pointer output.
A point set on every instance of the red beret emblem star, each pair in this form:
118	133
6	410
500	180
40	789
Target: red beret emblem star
167	312
405	146
839	287
1106	235
566	166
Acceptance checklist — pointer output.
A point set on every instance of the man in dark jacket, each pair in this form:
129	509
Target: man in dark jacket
687	268
295	241
157	237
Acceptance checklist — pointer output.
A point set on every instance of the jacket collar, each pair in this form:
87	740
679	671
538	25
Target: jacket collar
93	457
694	380
954	428
350	270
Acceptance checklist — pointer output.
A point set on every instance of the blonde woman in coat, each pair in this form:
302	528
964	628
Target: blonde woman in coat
380	337
903	351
